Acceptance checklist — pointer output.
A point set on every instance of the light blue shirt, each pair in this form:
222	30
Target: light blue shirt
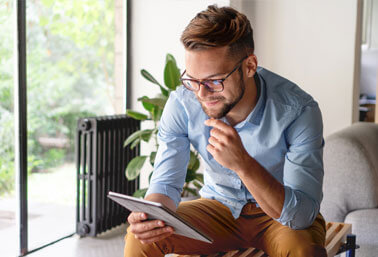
284	133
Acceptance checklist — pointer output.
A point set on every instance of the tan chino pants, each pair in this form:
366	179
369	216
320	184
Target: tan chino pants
252	229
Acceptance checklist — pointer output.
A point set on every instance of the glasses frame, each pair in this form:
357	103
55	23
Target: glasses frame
203	81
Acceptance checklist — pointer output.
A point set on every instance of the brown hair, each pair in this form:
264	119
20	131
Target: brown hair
217	27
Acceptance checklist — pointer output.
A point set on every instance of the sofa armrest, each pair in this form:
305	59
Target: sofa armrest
350	171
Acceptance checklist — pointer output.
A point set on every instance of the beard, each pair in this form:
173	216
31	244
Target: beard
227	105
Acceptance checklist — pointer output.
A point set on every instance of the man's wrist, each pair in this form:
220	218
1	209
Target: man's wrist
246	166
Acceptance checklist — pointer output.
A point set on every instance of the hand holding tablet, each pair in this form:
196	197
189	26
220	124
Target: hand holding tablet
148	231
157	211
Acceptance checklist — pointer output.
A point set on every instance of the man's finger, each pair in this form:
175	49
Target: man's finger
154	233
210	149
155	239
219	135
146	226
215	143
135	217
218	124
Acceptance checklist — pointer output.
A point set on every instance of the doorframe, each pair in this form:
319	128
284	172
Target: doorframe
20	125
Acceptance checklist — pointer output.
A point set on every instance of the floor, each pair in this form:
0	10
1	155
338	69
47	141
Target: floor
108	244
47	223
42	228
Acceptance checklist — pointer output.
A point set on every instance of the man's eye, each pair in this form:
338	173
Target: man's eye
216	82
208	83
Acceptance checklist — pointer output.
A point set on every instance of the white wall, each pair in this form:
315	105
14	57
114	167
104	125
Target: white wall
156	27
312	43
374	24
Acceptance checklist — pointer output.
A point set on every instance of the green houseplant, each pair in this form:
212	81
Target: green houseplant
154	107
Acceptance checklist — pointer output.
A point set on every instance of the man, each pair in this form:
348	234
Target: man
260	137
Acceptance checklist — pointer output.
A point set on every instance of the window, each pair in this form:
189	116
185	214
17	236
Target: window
75	68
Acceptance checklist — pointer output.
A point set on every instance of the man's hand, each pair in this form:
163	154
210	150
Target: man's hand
226	146
148	231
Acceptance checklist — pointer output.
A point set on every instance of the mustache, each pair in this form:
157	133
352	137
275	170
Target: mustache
214	98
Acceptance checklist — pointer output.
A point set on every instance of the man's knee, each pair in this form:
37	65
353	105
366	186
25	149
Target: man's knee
296	246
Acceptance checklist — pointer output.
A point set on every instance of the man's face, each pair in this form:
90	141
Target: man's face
215	64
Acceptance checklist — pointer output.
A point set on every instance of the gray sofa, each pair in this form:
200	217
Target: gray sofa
351	183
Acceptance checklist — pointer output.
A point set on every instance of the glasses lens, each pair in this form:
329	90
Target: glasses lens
189	84
213	85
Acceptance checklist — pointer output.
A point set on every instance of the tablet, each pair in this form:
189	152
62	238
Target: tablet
160	212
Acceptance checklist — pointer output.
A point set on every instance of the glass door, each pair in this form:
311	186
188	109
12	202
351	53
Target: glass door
71	73
75	68
7	177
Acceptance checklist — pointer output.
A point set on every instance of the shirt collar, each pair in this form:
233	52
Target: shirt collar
254	117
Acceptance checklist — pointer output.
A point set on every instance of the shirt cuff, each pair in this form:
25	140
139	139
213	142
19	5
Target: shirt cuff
299	211
172	192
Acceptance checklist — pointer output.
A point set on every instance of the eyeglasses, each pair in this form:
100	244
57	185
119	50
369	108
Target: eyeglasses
211	85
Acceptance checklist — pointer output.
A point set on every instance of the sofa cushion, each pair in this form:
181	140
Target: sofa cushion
365	227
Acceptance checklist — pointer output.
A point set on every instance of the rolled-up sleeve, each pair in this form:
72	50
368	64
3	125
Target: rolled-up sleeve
172	157
303	169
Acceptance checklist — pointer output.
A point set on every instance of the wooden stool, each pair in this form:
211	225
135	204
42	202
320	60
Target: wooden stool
335	243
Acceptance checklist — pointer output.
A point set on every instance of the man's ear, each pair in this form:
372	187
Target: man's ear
251	65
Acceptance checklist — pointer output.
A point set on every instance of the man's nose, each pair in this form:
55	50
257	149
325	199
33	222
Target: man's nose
202	91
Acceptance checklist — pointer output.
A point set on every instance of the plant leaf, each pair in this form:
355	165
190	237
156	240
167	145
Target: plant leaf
164	91
190	176
171	75
192	160
157	114
149	177
136	115
197	185
199	177
140	193
150	78
170	57
132	137
189	190
152	158
196	164
135	143
144	135
149	107
134	167
159	102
